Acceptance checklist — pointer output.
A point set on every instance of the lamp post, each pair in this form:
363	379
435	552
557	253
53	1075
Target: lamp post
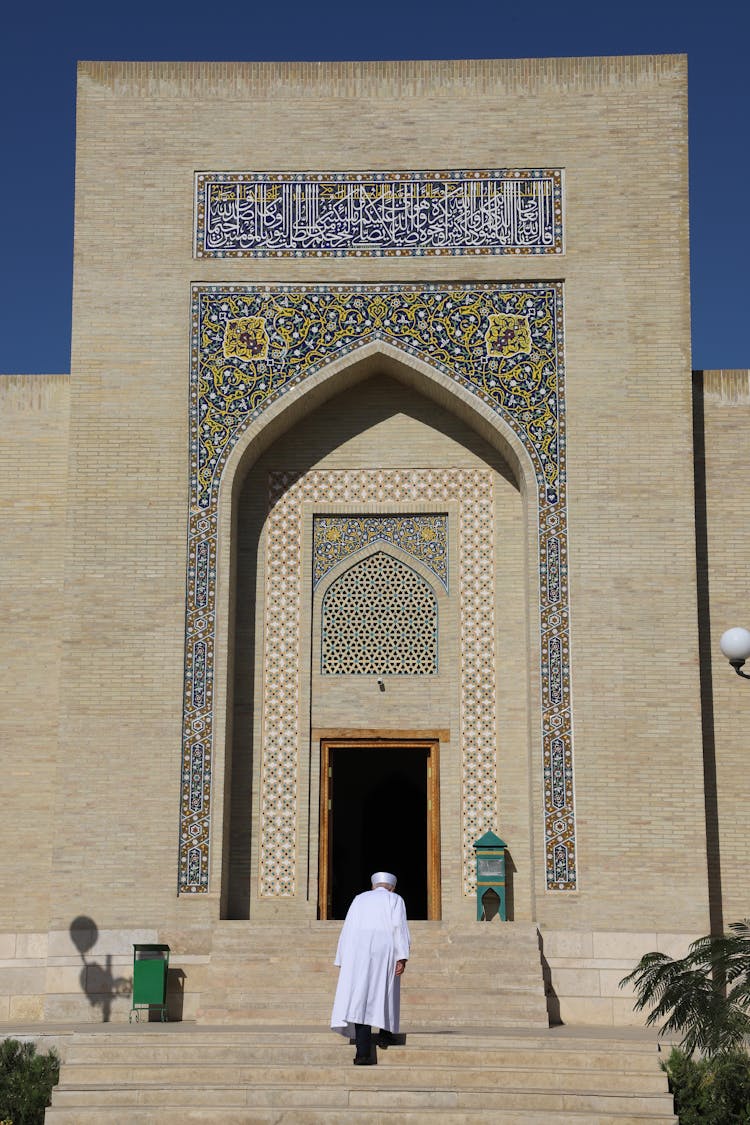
735	644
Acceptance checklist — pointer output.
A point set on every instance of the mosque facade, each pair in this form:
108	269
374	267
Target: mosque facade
380	510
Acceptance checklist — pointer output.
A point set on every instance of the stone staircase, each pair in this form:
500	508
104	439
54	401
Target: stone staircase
476	1044
170	1074
488	976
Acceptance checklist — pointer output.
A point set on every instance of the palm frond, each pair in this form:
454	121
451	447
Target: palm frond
703	996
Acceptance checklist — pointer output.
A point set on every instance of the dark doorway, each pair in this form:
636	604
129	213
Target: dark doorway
379	804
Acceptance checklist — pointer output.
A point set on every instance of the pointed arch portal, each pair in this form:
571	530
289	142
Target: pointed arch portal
499	346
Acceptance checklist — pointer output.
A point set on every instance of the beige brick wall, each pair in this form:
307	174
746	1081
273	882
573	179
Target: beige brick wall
618	128
33	470
586	969
723	415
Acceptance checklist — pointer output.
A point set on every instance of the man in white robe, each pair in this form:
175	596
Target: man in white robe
372	954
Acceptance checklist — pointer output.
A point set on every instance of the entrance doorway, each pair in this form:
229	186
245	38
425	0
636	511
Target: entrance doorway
379	812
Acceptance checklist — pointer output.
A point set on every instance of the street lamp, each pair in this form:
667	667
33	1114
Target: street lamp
735	644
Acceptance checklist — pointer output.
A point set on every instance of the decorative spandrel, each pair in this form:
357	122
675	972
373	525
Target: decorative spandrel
375	214
502	342
424	537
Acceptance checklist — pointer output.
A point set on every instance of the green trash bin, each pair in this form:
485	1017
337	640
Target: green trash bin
150	971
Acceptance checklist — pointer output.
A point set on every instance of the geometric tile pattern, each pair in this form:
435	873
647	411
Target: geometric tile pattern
373	214
338	537
471	490
502	343
379	618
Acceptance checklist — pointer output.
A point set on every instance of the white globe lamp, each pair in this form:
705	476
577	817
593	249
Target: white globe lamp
735	644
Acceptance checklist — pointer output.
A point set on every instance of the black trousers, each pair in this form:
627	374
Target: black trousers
363	1039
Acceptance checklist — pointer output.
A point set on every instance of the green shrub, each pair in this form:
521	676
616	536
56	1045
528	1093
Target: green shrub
26	1081
710	1091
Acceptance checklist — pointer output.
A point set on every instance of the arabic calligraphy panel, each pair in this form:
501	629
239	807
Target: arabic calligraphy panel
365	214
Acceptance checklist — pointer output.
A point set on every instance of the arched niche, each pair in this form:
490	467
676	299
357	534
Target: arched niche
208	640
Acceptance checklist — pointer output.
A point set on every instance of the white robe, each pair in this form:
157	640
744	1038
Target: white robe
374	937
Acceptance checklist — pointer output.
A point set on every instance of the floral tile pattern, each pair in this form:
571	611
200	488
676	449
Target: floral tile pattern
339	537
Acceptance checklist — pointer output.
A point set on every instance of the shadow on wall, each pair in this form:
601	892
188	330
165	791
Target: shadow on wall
705	646
175	995
553	1000
510	870
97	981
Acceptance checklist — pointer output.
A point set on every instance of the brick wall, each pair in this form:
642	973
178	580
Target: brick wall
723	521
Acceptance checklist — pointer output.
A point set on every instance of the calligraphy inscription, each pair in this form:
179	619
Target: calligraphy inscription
261	215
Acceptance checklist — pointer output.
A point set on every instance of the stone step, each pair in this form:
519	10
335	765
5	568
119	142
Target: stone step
238	1010
253	935
456	959
412	992
180	1073
472	1005
321	976
500	931
344	1095
148	1035
418	1010
262	1017
365	1115
395	1075
446	960
229	1053
323	980
257	940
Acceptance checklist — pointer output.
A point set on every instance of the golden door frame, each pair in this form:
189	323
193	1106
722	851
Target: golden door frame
432	746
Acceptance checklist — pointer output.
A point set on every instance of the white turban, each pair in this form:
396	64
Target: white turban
383	877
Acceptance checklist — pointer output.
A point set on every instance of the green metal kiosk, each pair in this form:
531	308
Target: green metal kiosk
150	973
490	852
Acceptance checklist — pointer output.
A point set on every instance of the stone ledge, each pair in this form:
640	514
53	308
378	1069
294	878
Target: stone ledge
397	79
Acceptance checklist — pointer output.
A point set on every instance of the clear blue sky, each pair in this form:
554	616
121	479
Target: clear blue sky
42	41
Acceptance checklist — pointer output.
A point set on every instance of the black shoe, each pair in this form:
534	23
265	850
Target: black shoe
386	1039
364	1060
